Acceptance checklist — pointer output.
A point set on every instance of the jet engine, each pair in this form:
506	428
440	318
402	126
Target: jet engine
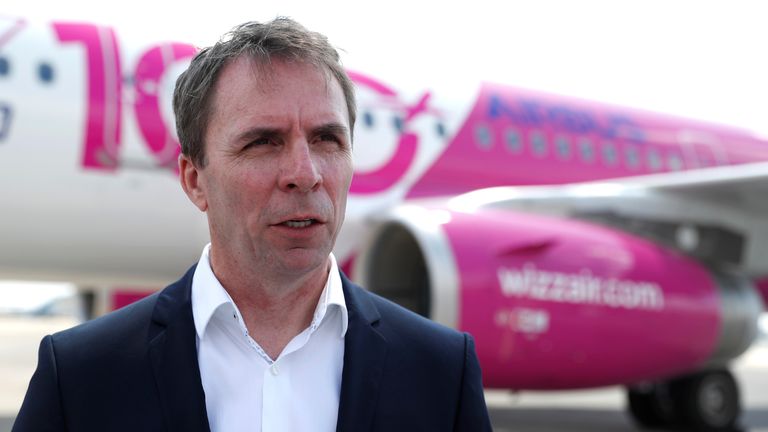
556	303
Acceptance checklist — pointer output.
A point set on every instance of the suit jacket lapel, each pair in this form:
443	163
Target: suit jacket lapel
365	350
173	354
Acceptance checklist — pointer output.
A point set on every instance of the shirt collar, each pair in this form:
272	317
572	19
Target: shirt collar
208	295
332	294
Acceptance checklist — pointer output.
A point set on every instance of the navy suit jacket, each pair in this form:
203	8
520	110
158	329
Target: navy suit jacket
136	370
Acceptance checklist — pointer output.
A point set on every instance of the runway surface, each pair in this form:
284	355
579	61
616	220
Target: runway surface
594	410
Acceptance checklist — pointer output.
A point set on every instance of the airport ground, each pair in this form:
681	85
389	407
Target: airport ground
593	410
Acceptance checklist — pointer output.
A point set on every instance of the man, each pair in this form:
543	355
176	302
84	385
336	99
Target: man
264	333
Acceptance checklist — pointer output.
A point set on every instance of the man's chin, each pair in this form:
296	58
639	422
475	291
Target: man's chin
301	262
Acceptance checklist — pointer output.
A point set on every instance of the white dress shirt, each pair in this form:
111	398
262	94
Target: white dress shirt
245	390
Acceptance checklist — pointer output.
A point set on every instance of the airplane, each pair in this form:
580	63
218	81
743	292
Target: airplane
582	244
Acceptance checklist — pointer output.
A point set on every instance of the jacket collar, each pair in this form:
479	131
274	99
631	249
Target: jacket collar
173	353
365	351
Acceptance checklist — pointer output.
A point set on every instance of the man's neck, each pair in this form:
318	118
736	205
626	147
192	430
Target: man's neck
275	311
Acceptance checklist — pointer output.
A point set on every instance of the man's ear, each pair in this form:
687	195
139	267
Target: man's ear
189	176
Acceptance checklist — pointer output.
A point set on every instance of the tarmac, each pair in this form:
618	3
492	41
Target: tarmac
574	411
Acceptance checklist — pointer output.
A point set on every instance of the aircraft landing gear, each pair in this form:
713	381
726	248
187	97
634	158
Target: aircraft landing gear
706	401
650	405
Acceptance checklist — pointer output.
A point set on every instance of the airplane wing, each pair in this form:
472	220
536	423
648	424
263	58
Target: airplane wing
725	207
718	214
735	186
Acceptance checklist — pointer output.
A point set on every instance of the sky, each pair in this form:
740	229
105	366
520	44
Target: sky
700	59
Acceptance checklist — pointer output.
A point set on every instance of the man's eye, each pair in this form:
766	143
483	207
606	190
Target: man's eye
259	142
329	138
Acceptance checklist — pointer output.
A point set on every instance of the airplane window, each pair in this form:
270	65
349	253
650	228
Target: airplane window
609	153
538	143
440	129
512	139
654	160
706	159
632	157
45	72
587	150
5	120
675	162
398	123
483	137
368	119
563	146
5	67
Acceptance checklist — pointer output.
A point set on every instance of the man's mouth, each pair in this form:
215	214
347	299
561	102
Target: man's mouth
301	223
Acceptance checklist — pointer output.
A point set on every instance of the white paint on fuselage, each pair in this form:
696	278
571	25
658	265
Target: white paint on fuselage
63	222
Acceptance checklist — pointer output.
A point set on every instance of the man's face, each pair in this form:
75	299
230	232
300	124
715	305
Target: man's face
279	165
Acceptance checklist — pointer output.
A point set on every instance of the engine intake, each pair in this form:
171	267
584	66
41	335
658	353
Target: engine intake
557	303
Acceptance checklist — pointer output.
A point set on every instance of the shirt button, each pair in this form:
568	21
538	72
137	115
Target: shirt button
275	369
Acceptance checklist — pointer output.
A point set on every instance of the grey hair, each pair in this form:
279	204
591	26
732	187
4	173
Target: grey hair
281	38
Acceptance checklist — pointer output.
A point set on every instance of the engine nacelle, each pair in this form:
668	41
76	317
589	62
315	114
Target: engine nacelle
557	303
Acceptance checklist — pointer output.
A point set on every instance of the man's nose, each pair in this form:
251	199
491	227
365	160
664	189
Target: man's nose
299	170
